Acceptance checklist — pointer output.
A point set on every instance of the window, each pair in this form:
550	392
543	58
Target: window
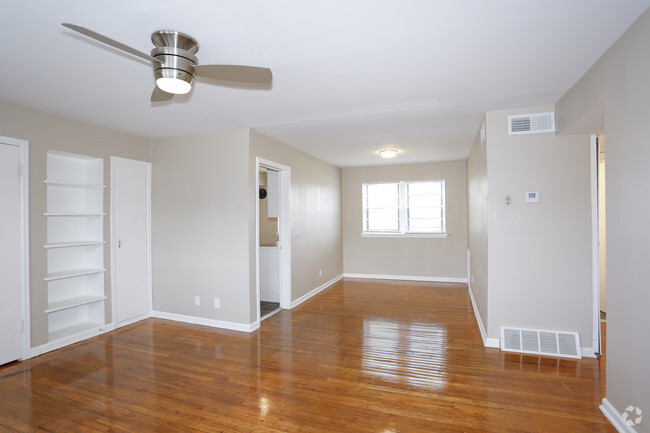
404	208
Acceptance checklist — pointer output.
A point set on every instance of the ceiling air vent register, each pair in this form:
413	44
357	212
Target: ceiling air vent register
531	123
538	342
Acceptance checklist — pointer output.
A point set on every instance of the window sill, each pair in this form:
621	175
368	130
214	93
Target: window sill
407	235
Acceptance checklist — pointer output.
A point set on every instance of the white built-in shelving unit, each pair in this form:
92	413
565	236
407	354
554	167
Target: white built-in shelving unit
75	245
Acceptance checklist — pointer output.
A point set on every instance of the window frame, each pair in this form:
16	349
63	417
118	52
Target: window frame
403	212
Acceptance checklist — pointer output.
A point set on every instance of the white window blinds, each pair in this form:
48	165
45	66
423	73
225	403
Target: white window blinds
404	207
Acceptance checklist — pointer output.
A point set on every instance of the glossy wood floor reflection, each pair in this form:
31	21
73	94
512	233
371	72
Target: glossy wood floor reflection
363	356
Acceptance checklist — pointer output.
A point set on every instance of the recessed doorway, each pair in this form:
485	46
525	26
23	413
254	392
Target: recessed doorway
602	232
273	238
599	239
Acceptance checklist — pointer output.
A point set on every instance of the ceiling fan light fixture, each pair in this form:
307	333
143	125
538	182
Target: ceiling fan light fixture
388	153
175	64
174	81
173	85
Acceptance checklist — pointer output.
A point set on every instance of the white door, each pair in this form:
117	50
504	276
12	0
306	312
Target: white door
10	288
130	192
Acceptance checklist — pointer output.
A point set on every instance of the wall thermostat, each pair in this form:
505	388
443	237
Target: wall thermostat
531	197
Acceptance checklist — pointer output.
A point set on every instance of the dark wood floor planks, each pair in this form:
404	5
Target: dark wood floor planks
362	356
268	307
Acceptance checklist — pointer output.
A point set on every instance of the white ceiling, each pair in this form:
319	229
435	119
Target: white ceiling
350	77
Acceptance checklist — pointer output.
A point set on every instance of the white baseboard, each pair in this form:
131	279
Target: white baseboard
70	339
615	418
133	320
407	278
206	322
587	352
314	292
487	342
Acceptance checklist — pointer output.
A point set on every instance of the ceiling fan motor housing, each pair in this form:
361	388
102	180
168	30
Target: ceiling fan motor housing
176	51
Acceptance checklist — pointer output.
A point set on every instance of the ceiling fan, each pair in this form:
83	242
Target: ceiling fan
175	64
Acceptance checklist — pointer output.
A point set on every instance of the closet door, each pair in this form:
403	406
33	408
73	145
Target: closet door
130	181
10	307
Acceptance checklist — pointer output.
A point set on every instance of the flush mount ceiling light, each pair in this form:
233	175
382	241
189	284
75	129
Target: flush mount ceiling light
388	153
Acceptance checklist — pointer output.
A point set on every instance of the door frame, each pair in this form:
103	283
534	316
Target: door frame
284	244
23	147
114	161
595	256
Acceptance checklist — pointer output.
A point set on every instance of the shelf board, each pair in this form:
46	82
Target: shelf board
61	214
73	244
75	329
71	273
53	307
73	185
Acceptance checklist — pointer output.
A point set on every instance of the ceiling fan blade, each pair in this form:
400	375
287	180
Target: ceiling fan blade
235	73
235	84
160	95
108	41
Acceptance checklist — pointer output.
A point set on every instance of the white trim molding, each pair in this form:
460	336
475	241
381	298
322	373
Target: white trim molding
316	291
284	242
615	417
132	320
24	241
407	278
595	256
587	352
71	339
487	342
406	235
23	160
221	324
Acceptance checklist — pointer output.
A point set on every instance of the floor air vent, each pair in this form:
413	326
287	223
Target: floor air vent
537	342
531	123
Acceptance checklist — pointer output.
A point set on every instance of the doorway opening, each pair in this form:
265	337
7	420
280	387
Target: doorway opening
599	241
15	337
602	232
273	238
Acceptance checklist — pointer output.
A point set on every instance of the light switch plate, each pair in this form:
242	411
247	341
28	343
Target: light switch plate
531	197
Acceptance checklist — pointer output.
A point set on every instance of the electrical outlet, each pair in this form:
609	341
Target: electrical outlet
197	300
217	303
320	272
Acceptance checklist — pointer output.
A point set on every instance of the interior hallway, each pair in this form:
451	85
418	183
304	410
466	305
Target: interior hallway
362	356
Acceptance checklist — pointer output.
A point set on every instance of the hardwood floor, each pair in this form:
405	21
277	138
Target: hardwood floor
268	307
362	356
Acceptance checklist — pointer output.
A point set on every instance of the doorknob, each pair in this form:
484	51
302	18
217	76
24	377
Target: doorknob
119	243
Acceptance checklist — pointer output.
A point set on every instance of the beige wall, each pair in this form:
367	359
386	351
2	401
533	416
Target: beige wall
618	83
477	226
418	257
315	214
200	195
48	132
539	254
